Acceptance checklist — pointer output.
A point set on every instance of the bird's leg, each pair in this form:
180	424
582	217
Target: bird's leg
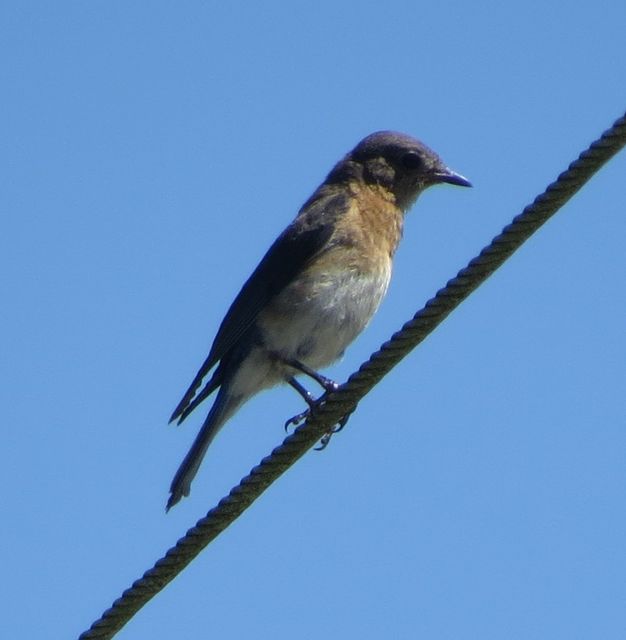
308	398
328	385
336	429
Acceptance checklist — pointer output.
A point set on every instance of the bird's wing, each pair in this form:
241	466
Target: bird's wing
299	243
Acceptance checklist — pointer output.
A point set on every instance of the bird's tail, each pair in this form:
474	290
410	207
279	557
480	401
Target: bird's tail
223	408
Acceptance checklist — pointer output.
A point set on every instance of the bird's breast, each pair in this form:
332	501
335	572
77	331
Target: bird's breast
333	299
372	225
321	312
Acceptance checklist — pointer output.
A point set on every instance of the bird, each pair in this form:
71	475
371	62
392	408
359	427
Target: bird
315	289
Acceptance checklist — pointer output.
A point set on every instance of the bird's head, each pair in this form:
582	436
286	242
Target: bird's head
401	165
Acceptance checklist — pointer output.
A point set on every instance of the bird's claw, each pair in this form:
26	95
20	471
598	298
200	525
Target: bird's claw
294	421
330	386
325	439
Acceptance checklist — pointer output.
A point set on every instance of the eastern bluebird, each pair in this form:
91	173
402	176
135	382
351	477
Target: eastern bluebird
316	288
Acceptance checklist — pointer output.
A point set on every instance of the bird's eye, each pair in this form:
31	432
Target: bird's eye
412	160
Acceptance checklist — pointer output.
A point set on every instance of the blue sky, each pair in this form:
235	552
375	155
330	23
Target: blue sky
150	154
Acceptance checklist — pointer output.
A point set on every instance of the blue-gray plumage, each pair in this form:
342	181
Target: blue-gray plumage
316	288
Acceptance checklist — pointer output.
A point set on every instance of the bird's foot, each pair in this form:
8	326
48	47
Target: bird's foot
326	383
296	420
325	439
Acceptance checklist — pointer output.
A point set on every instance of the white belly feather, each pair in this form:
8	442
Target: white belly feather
314	320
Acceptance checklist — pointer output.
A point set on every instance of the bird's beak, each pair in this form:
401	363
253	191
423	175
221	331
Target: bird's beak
451	177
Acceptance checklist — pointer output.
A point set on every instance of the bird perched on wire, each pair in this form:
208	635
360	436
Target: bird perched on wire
316	288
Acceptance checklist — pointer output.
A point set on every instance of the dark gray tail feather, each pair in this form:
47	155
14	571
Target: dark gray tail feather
223	408
189	403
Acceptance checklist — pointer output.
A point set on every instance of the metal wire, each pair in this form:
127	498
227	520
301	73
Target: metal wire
360	383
